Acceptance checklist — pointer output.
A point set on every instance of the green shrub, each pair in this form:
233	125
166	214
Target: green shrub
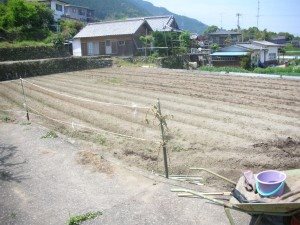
172	62
32	52
246	62
9	71
290	70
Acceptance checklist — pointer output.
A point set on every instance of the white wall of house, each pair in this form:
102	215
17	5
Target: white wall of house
76	44
55	5
272	54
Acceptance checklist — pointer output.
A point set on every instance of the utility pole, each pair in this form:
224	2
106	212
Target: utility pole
238	25
238	21
258	13
221	14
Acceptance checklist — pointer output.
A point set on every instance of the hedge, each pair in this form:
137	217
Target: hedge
33	52
15	70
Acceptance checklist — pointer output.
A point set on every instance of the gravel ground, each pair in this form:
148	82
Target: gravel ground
42	183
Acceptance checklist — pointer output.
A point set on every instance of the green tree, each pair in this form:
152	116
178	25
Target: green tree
215	47
26	20
70	28
210	29
185	41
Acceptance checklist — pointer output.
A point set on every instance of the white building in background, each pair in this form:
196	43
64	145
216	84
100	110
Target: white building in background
57	6
263	53
63	10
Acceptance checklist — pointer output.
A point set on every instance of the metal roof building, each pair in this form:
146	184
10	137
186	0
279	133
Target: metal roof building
111	28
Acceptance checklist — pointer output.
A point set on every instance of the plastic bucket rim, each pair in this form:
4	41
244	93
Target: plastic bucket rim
262	182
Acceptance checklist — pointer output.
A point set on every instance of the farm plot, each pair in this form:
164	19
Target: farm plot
223	123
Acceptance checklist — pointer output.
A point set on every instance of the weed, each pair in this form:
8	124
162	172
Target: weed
100	139
115	80
13	215
6	118
177	148
50	134
76	220
25	123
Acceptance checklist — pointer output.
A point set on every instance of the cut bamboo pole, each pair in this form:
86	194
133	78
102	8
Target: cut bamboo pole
215	174
203	196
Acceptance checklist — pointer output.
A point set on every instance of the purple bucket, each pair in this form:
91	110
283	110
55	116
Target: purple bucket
270	183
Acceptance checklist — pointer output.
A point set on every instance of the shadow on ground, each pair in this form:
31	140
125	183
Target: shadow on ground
9	169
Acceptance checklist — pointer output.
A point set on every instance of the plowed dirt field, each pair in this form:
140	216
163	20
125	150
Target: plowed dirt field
224	123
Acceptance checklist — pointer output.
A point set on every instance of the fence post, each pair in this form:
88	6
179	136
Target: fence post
24	97
163	138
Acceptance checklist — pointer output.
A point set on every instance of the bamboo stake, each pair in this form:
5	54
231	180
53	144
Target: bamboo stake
163	139
24	97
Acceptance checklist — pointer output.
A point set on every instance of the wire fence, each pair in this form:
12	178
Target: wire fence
133	106
31	110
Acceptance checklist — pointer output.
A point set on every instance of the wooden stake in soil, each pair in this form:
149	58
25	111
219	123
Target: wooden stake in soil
163	139
25	105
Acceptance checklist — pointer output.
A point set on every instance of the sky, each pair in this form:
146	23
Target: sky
275	15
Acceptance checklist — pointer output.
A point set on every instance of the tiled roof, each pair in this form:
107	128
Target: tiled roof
162	23
111	28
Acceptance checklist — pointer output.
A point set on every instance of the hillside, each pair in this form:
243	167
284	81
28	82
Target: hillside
117	9
184	22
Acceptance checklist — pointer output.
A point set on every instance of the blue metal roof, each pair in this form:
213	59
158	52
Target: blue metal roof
229	53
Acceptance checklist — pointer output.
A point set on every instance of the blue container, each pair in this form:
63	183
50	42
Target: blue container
270	183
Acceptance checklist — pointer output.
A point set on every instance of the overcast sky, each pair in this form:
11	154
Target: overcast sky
276	15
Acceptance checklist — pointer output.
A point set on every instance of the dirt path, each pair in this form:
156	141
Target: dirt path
41	182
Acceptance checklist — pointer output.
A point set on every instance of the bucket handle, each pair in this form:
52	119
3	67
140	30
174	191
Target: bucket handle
270	193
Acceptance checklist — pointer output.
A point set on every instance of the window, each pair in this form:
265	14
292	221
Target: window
121	43
272	56
90	48
59	7
107	43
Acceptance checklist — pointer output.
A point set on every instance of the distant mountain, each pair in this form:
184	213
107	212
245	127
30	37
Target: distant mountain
119	9
184	22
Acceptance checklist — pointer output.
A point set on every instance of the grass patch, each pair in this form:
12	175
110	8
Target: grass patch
78	219
226	69
23	44
50	134
288	71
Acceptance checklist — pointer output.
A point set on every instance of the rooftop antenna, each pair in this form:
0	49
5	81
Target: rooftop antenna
258	12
